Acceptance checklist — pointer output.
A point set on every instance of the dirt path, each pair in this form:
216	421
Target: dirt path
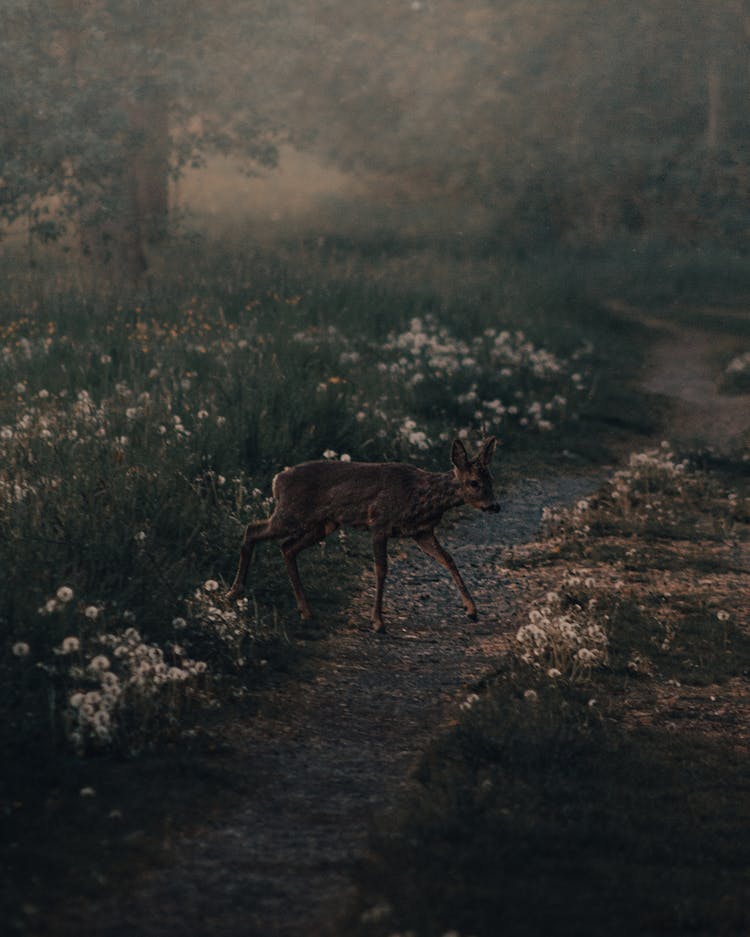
331	753
683	367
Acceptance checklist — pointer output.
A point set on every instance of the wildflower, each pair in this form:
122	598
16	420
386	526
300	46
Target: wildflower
553	673
210	585
140	536
21	649
722	615
92	612
105	359
100	662
87	792
346	457
330	454
65	594
70	645
531	696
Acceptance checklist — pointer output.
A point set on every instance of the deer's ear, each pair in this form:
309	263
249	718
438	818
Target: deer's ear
487	450
459	456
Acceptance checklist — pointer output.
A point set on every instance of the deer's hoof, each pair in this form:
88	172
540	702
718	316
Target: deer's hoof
378	626
471	613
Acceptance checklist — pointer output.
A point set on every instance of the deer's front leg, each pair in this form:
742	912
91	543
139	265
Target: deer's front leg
429	544
380	554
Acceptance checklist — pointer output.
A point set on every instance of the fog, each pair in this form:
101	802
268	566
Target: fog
528	123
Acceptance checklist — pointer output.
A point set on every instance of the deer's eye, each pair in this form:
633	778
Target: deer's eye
473	484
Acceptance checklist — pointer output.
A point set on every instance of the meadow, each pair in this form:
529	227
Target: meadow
137	438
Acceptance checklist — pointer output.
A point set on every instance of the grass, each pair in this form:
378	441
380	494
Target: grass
556	806
546	817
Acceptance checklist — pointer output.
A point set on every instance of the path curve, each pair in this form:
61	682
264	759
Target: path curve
330	754
683	367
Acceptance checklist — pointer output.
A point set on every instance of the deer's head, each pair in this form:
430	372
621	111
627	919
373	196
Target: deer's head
473	475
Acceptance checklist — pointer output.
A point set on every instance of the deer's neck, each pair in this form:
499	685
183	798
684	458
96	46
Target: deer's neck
444	491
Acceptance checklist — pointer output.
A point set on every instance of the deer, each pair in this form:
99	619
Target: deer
389	499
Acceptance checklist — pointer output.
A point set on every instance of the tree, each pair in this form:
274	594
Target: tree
102	99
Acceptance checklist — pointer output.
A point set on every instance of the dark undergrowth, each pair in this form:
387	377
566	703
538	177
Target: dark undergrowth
545	816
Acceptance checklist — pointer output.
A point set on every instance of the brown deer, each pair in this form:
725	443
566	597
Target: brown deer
390	499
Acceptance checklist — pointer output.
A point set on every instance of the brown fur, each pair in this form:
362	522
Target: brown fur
390	499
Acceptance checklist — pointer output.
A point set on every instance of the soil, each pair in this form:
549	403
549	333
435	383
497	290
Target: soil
327	755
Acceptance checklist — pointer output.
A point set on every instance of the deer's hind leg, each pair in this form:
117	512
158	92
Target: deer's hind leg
269	529
294	545
429	544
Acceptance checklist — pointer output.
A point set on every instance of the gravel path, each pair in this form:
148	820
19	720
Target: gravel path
329	754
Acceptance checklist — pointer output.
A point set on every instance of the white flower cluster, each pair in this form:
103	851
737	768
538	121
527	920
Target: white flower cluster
134	678
229	625
498	377
563	637
493	381
739	365
648	490
43	423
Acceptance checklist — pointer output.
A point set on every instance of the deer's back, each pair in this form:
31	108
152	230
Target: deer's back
383	495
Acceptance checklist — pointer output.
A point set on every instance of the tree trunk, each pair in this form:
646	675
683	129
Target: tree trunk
149	162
